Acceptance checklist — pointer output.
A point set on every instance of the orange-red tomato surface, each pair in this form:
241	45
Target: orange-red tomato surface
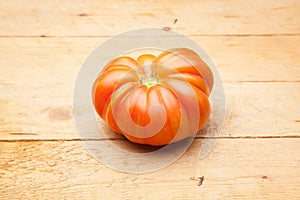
155	100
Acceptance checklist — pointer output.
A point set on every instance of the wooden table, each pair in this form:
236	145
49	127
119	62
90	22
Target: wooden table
255	46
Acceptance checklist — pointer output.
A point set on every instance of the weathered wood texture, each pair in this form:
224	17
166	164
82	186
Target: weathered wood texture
42	71
255	46
40	61
237	168
253	110
98	18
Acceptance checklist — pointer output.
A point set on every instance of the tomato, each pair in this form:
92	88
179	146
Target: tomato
155	100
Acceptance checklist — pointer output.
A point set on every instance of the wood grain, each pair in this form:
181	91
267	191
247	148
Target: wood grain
46	112
255	46
237	168
107	18
44	61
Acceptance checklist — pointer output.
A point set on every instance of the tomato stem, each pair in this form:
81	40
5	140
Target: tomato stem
149	79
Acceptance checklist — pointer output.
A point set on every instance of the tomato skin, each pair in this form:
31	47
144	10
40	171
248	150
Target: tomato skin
155	100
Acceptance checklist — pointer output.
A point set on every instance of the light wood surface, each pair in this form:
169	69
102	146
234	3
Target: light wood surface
237	168
106	18
254	45
45	61
45	112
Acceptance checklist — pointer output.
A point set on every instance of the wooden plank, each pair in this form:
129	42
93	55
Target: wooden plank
28	61
235	169
46	112
42	47
94	18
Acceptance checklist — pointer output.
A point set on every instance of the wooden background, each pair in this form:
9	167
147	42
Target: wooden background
255	46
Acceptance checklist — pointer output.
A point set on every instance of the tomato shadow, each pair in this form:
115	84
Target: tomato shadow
121	142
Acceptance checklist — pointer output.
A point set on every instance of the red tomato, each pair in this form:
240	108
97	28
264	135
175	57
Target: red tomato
155	100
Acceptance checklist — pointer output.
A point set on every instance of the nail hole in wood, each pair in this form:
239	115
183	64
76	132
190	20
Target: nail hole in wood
82	15
199	178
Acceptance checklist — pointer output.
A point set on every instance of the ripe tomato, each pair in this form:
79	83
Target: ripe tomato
155	100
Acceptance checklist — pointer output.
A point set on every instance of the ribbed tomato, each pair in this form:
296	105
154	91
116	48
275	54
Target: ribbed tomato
155	100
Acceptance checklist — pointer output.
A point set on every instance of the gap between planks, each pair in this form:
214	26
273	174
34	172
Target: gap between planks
225	81
191	35
122	139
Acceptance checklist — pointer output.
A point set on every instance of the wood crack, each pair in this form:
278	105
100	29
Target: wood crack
191	35
123	139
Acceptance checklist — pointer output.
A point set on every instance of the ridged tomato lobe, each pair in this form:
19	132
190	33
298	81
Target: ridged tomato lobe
155	100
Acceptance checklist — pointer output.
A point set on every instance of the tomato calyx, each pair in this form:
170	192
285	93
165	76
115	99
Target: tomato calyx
149	79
